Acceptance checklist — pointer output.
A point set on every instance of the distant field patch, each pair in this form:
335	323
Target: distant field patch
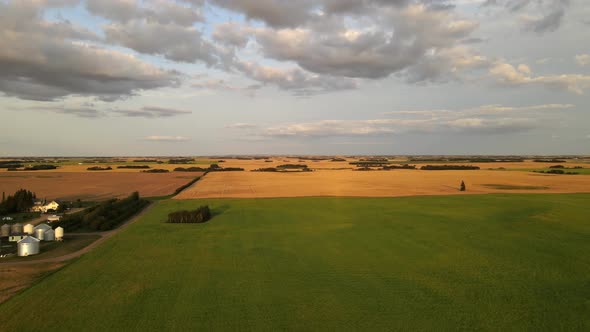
94	185
376	183
514	187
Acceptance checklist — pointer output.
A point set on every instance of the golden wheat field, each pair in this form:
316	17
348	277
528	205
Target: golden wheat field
93	186
379	183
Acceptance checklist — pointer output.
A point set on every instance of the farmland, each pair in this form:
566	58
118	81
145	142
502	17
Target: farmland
474	262
93	185
380	183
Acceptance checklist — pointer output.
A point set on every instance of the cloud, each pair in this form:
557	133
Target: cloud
484	110
241	126
89	110
542	15
49	60
219	84
166	138
376	127
507	74
583	59
299	82
481	120
395	39
173	42
160	11
152	112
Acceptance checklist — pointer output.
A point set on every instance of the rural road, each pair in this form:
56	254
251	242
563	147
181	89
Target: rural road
103	237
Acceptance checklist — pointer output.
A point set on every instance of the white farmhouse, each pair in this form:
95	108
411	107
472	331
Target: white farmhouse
53	205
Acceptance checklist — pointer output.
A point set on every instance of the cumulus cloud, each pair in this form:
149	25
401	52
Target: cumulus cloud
174	42
166	138
297	81
48	60
507	74
160	11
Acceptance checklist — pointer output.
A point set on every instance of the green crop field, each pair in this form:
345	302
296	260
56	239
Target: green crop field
474	262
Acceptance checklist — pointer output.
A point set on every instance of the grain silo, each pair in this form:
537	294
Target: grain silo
40	234
49	235
5	230
45	227
28	229
59	234
28	246
16	228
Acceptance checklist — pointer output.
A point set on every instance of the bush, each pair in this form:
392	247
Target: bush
145	161
40	167
200	215
406	166
156	170
98	168
190	169
181	161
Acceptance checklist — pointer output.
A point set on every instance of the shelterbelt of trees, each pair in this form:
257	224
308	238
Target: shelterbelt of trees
21	201
104	216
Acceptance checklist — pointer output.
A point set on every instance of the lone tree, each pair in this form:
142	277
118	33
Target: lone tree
463	186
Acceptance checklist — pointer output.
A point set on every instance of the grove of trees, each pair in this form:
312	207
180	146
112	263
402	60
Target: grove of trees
104	216
200	215
21	201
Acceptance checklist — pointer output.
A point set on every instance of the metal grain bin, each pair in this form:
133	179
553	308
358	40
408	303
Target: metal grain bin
40	234
45	227
16	228
59	234
5	230
28	246
49	235
29	229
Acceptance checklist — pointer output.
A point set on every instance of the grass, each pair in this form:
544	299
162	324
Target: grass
474	262
513	187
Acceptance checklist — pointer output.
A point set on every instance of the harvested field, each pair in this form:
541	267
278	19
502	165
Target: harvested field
93	185
16	278
379	183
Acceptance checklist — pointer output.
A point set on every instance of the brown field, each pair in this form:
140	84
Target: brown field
379	183
93	186
16	278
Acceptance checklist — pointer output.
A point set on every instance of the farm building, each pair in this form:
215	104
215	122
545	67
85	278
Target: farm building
53	218
5	230
28	246
15	237
52	206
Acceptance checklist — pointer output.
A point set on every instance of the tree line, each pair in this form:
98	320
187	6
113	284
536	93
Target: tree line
104	216
200	215
21	201
448	167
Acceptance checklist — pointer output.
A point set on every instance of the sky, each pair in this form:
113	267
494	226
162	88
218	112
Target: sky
313	77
